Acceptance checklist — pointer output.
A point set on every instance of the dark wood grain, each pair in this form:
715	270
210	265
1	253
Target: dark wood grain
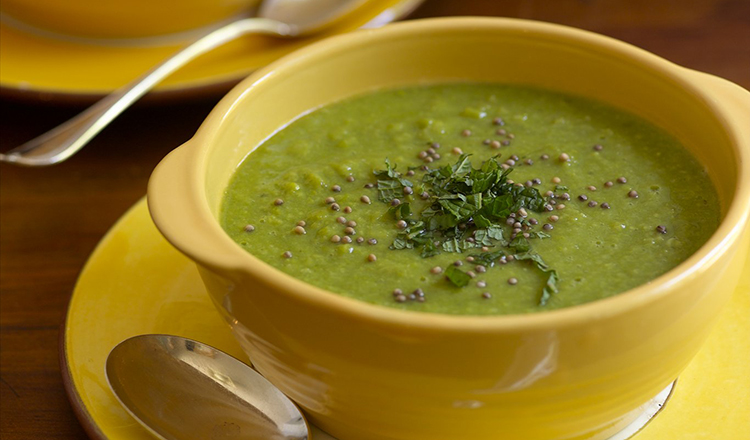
51	218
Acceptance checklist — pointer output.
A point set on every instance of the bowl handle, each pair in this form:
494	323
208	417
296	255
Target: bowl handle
188	225
729	97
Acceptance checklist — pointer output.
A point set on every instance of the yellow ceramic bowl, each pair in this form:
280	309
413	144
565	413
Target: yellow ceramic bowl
122	18
365	372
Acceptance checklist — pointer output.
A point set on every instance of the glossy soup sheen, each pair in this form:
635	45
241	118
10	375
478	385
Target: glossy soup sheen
648	204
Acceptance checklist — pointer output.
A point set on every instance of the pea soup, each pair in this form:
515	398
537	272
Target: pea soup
476	199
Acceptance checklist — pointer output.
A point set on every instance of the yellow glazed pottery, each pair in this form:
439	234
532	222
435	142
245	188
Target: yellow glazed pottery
121	18
363	372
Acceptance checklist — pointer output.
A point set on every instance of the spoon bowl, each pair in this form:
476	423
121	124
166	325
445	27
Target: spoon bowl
178	388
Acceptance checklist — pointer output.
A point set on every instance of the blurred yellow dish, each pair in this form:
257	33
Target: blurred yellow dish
35	66
368	373
123	18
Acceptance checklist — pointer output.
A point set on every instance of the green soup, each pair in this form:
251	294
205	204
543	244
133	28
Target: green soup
509	200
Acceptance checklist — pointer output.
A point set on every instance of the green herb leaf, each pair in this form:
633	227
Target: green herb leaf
401	211
390	183
550	286
456	276
429	249
488	259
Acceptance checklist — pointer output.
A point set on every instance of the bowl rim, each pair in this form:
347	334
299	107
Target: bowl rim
729	230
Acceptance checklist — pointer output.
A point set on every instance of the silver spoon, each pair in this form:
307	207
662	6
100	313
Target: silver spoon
179	389
282	18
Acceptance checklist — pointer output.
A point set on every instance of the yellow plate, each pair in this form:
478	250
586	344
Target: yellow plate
136	283
34	66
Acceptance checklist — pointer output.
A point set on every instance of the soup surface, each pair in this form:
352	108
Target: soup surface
478	199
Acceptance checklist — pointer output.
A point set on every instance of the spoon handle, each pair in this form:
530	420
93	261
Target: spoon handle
66	139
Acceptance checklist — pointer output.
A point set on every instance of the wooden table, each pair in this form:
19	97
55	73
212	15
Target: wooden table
53	217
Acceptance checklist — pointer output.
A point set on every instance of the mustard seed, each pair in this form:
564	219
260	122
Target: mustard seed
457	151
299	230
622	180
336	188
486	295
564	157
498	121
372	241
371	258
481	284
249	228
608	184
583	197
335	207
512	281
365	199
335	239
661	229
348	209
369	185
287	254
598	147
436	270
408	191
495	145
278	202
471	273
605	205
544	156
480	269
341	220
360	240
350	178
556	180
410	173
395	202
592	203
397	292
554	218
560	206
591	188
302	223
466	133
346	239
401	224
633	194
349	230
351	223
548	227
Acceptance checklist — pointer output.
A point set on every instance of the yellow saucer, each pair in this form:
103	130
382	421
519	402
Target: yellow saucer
34	66
136	283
